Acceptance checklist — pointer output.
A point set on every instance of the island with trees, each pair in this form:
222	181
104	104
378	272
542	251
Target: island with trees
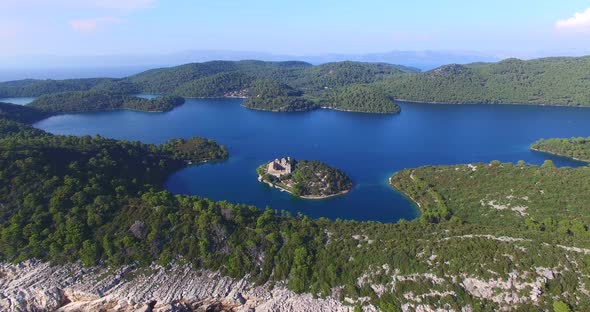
95	100
21	113
348	86
271	86
274	96
574	148
361	98
304	179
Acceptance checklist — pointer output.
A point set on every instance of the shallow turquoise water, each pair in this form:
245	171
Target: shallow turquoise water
369	148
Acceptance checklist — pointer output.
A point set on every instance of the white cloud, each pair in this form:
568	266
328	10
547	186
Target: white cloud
92	24
125	5
578	22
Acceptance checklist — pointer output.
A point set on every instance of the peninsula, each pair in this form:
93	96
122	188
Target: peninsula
99	100
574	148
304	179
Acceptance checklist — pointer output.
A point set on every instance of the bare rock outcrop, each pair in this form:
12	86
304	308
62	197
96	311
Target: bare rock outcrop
39	286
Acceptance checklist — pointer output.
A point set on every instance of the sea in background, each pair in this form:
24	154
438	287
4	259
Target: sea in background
368	147
18	100
10	74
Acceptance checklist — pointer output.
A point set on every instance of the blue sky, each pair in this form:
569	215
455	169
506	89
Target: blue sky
304	27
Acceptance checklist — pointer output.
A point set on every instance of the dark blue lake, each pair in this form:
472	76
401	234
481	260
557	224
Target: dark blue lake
369	148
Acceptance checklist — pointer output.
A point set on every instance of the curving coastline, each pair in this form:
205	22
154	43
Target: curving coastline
260	179
560	155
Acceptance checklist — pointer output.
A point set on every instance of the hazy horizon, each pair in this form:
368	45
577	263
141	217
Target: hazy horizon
36	30
122	65
87	38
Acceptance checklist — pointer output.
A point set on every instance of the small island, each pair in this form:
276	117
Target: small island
99	100
305	179
270	95
574	148
361	99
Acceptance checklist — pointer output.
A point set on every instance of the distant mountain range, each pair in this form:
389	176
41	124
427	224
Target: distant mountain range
120	65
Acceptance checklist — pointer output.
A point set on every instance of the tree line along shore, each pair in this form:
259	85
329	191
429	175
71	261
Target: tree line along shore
346	86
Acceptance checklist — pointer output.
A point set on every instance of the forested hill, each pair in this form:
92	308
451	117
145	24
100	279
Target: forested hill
90	101
274	96
310	84
575	148
299	75
491	237
361	98
551	81
21	113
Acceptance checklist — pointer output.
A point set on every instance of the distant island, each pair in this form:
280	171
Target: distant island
274	96
270	86
348	86
95	100
304	179
574	148
21	113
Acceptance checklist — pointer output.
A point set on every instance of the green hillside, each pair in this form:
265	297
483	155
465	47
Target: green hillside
21	113
91	101
97	200
360	98
33	87
575	148
551	81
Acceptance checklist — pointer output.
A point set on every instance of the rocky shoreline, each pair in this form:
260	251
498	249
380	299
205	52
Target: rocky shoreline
559	155
260	179
38	286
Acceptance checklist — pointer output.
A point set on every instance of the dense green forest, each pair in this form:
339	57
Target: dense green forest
217	85
576	148
194	149
101	201
552	81
21	113
274	96
281	103
318	79
33	87
116	86
310	178
361	98
300	75
503	195
95	100
225	78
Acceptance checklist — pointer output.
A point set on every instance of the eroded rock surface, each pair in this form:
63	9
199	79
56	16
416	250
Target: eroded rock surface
38	286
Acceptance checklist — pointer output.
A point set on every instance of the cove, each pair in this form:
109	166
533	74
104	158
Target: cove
368	147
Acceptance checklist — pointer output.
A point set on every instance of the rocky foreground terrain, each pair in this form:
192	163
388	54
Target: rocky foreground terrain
38	286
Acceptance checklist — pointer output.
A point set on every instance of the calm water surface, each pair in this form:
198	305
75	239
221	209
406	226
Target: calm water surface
369	148
18	100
